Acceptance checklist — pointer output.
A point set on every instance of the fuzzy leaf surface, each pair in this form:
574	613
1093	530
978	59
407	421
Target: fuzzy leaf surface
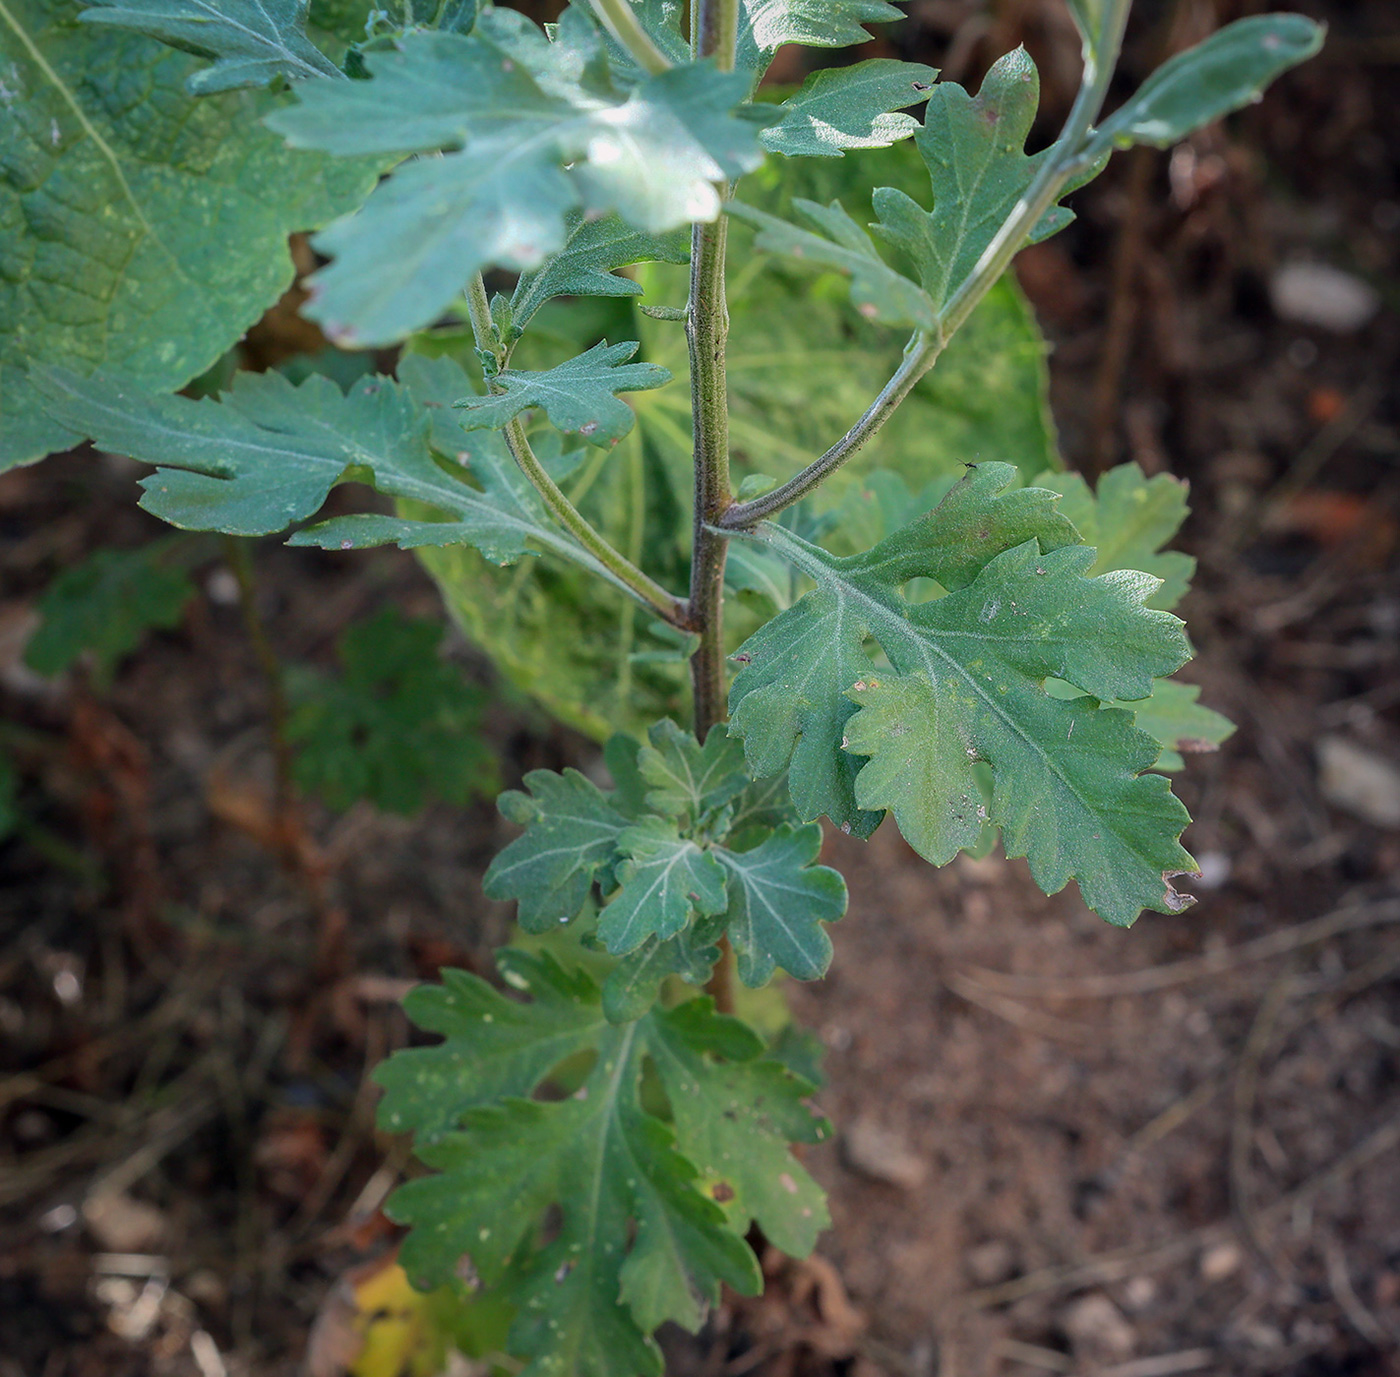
779	902
1225	72
144	231
666	879
250	42
572	832
585	265
268	452
850	107
528	130
588	1297
967	685
880	293
687	779
766	25
579	396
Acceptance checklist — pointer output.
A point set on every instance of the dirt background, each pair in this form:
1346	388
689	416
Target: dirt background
1063	1148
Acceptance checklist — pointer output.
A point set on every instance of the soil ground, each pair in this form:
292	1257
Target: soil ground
1062	1147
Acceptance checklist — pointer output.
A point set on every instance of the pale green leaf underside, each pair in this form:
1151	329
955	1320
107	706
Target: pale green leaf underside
1228	70
251	42
522	134
850	107
143	230
966	685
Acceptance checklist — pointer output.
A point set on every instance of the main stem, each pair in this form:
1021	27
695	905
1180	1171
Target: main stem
715	26
707	328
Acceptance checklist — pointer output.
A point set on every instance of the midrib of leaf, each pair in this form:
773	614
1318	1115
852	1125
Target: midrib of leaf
40	61
897	627
273	44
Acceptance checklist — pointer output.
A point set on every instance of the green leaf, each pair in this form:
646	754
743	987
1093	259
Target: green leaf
493	1047
1128	520
778	901
267	454
528	131
633	986
665	880
967	686
584	266
850	107
251	42
879	292
766	25
640	1237
737	1133
1172	716
974	150
579	396
106	604
1229	70
397	728
687	779
572	833
789	701
145	230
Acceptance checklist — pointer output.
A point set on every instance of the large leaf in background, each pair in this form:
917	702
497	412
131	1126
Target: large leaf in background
251	42
585	652
143	231
528	129
591	1296
967	686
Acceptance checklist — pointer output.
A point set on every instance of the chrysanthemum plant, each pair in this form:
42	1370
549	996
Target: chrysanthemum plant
606	1137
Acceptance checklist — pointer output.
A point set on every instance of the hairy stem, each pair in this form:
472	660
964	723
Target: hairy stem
618	17
707	327
641	585
1067	159
715	31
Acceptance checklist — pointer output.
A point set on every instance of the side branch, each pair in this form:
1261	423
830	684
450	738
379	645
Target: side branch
1066	160
919	356
618	17
643	587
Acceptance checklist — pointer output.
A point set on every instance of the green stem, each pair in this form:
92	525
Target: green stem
1066	160
618	17
707	328
642	586
716	31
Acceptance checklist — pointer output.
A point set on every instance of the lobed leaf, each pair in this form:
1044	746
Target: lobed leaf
687	779
572	834
1128	518
766	25
967	685
527	131
585	265
579	396
850	107
640	1237
250	42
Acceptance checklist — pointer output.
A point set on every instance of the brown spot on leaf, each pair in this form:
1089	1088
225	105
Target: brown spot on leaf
722	1191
